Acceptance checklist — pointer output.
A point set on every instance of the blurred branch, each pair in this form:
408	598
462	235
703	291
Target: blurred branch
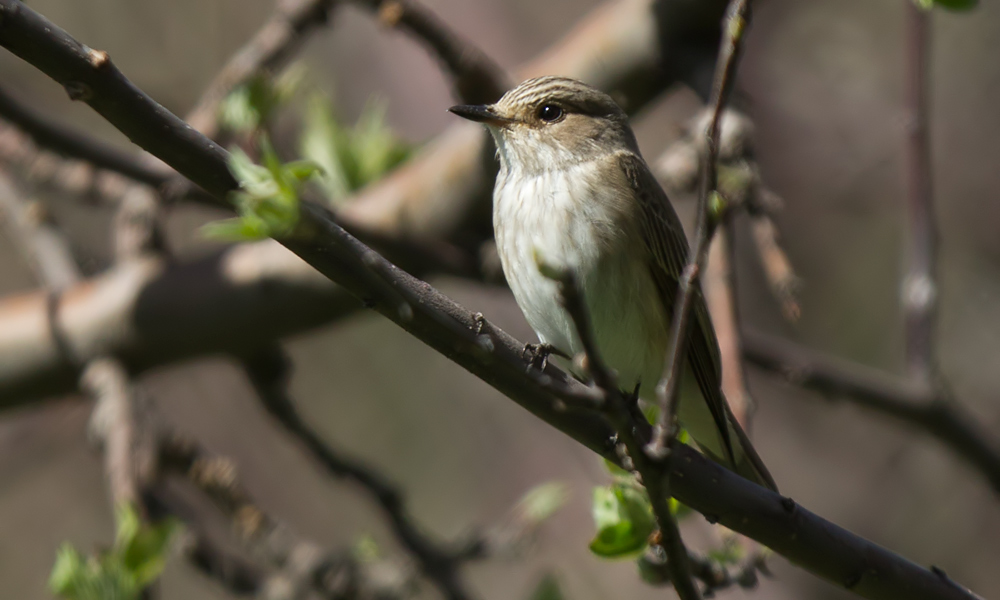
631	432
477	79
813	543
115	423
920	290
42	247
278	39
741	185
269	371
294	565
69	142
911	402
715	577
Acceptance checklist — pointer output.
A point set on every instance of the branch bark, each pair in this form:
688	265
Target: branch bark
920	290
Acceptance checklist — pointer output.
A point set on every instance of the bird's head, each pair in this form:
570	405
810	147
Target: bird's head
552	123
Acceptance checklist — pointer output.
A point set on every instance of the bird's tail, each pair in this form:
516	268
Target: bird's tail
744	460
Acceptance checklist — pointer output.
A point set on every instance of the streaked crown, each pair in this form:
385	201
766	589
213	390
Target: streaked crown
553	122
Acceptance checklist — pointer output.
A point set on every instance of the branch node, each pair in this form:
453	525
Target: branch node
78	91
98	58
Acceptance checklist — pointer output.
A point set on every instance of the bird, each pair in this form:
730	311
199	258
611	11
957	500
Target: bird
573	191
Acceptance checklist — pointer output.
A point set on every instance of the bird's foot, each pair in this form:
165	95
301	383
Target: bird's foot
481	323
538	354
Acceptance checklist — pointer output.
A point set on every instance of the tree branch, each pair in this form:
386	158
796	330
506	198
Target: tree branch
75	144
279	38
477	79
920	290
632	432
737	20
269	371
911	402
817	545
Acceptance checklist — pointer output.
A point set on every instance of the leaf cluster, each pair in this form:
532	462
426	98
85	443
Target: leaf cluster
136	559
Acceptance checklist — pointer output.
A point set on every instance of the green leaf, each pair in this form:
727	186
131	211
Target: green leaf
69	565
350	157
136	560
952	5
366	549
624	520
547	589
542	501
251	105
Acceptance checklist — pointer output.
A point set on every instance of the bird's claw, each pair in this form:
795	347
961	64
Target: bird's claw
538	354
481	322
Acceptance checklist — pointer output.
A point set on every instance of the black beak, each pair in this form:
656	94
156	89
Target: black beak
479	113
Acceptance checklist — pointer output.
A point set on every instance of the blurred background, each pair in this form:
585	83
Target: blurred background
822	81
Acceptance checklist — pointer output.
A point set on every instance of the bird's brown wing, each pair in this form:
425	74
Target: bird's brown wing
663	236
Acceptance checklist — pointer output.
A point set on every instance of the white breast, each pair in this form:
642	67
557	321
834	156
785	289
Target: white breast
560	217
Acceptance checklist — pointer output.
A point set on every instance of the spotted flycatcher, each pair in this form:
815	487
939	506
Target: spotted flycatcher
574	191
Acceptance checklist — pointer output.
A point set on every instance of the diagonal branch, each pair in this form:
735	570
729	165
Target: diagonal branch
631	432
269	370
911	402
815	544
477	79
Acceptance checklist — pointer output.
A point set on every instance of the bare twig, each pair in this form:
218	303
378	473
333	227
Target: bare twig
631	432
912	402
279	38
269	370
669	385
920	289
813	543
41	245
719	284
477	79
290	565
778	269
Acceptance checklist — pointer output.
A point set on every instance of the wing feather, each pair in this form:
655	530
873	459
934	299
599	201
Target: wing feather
664	239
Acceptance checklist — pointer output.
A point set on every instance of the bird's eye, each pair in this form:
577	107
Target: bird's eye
550	113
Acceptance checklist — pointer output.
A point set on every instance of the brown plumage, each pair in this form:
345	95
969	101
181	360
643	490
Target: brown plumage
574	190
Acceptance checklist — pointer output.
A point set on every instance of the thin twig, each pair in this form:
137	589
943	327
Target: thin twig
43	247
632	432
912	402
476	77
269	371
279	38
70	142
290	565
919	290
738	16
813	543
